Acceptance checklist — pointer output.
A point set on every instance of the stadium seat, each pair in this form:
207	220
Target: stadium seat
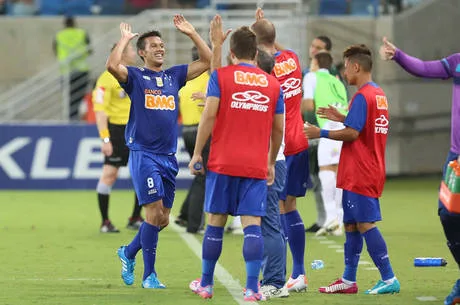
111	7
333	7
78	7
51	7
364	7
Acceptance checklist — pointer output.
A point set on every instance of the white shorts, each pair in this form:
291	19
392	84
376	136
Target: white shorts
329	150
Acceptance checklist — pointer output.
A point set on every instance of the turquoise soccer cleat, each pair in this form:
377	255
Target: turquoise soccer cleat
127	266
383	288
152	282
454	297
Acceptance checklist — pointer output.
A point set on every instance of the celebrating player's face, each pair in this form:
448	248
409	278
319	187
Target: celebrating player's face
316	46
154	51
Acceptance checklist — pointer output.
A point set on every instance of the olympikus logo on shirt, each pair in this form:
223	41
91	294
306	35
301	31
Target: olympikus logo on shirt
285	67
291	87
250	79
160	102
381	125
250	100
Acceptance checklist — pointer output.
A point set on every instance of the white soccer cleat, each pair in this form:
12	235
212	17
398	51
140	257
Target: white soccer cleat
338	231
271	292
298	284
329	228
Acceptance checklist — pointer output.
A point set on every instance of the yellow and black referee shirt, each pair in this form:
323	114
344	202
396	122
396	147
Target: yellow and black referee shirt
109	97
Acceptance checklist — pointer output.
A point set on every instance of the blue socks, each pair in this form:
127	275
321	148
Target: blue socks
296	238
135	245
212	247
352	251
253	250
377	249
149	241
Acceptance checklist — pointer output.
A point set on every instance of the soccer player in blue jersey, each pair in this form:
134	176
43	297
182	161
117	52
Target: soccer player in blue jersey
151	135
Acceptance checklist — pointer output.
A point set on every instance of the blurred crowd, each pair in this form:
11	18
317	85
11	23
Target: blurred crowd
122	7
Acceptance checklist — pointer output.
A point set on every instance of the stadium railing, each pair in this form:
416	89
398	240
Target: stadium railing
45	96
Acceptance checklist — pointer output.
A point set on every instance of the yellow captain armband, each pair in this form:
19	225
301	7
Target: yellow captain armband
104	134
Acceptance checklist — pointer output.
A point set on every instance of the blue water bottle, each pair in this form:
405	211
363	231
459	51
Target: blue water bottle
317	264
429	262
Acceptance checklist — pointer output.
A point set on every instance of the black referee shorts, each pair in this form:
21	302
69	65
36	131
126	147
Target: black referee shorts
120	153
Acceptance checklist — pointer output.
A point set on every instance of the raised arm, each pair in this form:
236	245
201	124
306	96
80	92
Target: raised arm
217	37
420	68
199	66
413	65
114	66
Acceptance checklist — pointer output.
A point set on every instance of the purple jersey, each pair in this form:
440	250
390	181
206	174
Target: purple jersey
444	69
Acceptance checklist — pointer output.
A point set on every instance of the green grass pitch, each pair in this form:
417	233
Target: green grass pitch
52	252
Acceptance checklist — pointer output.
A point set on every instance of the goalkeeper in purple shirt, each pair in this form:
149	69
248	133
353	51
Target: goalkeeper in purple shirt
445	68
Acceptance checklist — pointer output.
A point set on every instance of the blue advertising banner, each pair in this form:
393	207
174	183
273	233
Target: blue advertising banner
53	157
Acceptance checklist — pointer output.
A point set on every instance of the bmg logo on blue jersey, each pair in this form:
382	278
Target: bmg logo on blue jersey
160	102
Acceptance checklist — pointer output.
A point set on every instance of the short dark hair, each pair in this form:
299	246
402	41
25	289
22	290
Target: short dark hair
265	61
69	22
360	54
265	31
324	60
140	44
327	41
243	43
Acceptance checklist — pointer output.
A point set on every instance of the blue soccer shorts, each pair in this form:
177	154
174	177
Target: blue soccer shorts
298	175
359	208
235	195
154	176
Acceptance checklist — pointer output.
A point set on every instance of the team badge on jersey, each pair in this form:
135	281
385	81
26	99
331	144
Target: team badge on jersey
159	81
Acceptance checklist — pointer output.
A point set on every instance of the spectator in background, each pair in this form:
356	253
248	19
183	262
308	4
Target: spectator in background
192	97
2	7
71	47
187	3
319	44
23	8
134	7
